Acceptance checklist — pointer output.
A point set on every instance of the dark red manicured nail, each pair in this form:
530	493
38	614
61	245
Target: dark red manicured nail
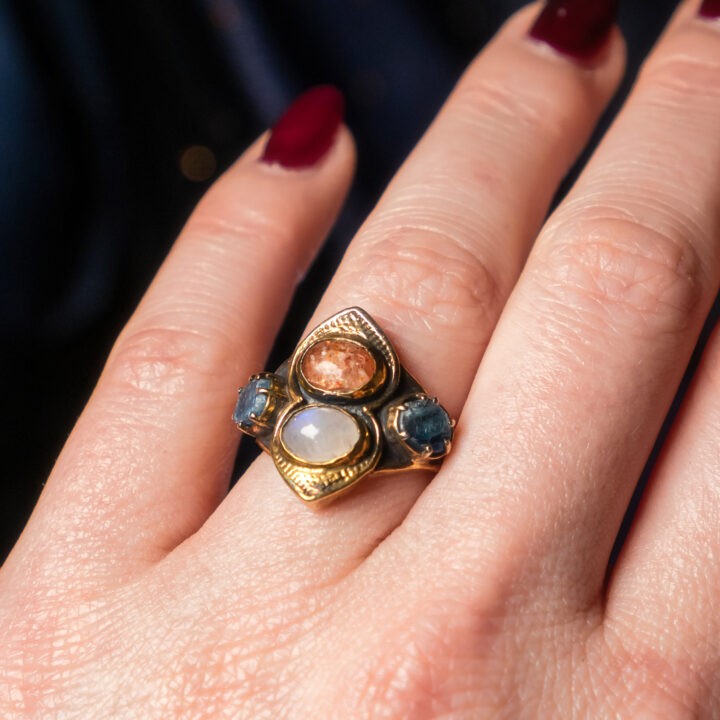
710	9
305	133
578	28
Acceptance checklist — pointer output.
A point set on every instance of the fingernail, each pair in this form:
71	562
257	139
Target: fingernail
305	133
578	28
710	9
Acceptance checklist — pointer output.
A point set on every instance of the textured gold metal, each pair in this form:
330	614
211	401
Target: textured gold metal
357	326
313	482
370	388
374	407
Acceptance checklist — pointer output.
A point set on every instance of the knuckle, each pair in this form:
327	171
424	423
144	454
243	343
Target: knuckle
160	360
623	273
215	228
481	99
680	76
427	275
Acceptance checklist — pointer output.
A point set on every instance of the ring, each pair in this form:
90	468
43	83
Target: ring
342	407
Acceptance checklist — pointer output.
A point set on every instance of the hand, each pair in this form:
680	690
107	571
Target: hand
142	589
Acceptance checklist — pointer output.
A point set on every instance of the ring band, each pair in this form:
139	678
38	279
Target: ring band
342	407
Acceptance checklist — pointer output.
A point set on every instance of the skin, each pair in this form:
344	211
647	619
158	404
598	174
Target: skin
141	588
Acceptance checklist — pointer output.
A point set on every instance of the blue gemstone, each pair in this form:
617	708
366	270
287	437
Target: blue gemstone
251	401
426	423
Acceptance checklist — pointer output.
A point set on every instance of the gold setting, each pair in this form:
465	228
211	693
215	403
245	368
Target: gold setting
276	398
357	327
374	408
371	387
315	482
350	457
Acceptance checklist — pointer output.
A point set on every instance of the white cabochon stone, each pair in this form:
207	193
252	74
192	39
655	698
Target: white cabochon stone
319	434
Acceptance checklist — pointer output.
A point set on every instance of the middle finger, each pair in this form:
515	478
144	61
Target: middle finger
436	260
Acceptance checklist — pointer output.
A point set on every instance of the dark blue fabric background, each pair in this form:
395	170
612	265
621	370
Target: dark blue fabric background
98	104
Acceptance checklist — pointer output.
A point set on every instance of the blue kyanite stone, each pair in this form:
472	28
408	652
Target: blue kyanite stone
250	401
426	424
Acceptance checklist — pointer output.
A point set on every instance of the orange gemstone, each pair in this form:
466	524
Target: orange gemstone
338	366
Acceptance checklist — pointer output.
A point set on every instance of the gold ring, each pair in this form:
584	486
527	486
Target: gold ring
342	407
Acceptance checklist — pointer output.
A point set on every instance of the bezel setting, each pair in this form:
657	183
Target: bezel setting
369	389
315	482
351	456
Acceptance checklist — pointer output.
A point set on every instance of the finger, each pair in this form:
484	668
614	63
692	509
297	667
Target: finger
590	350
663	595
151	455
435	261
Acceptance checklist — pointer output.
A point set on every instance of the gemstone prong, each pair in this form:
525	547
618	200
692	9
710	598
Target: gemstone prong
423	425
256	403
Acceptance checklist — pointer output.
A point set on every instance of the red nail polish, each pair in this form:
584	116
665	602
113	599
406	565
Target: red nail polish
578	28
305	133
710	9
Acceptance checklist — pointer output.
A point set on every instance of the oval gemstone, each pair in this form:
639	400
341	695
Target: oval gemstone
338	366
251	402
320	434
426	424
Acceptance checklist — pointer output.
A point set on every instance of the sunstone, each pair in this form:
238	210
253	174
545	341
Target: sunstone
319	434
338	366
251	402
423	423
